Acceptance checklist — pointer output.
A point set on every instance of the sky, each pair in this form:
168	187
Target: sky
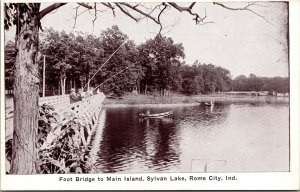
239	41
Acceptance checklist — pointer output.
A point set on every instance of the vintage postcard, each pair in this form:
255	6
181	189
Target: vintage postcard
150	95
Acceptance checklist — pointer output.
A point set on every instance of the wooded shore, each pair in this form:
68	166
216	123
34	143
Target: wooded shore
142	99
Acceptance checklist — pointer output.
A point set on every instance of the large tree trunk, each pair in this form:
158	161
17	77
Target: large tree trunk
26	95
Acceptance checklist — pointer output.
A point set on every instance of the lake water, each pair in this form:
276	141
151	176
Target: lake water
227	137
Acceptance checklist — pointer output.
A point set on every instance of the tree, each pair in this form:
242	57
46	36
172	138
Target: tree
27	19
26	85
113	39
10	56
254	83
209	78
63	67
58	49
160	69
83	56
277	84
240	83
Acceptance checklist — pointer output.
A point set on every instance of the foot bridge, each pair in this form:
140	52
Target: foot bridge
88	110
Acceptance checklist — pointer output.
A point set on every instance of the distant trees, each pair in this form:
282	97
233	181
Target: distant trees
240	83
72	60
253	83
205	78
69	58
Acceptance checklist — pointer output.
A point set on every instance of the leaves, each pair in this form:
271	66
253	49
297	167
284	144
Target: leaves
19	13
205	78
160	61
60	145
253	83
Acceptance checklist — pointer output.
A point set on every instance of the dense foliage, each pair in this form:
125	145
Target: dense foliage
156	65
161	63
253	83
60	144
205	78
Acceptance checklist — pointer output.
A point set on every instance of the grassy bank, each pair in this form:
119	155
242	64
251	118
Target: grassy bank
130	99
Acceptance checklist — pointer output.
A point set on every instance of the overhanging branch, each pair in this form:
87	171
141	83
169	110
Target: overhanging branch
111	7
49	9
246	8
129	8
158	18
188	9
135	8
127	12
85	5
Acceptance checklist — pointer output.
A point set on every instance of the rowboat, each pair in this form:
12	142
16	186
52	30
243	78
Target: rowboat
208	104
156	115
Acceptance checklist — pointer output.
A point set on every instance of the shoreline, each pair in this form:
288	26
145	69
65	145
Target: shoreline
149	100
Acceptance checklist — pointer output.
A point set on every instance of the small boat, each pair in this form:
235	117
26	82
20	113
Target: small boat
156	115
208	104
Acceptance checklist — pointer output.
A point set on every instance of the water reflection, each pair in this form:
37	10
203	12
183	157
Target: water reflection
130	143
218	138
203	115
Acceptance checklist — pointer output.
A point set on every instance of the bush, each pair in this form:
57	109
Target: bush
61	144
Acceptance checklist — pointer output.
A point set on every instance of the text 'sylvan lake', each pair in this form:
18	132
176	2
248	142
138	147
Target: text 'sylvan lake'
225	137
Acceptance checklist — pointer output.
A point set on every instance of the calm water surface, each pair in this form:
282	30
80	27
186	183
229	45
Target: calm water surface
228	137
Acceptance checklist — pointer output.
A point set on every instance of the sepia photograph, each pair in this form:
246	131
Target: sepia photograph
146	88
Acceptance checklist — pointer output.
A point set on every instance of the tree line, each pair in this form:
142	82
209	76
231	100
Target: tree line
115	64
254	83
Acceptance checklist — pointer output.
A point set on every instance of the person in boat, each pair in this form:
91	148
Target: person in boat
147	112
73	96
209	104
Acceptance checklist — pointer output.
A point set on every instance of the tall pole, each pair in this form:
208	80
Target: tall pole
44	66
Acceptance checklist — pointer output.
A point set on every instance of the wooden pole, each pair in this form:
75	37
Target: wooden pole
44	70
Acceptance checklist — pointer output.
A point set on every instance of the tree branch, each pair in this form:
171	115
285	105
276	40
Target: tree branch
246	8
171	27
192	5
95	16
122	6
127	13
76	15
110	6
49	9
85	5
197	18
179	8
158	17
135	8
